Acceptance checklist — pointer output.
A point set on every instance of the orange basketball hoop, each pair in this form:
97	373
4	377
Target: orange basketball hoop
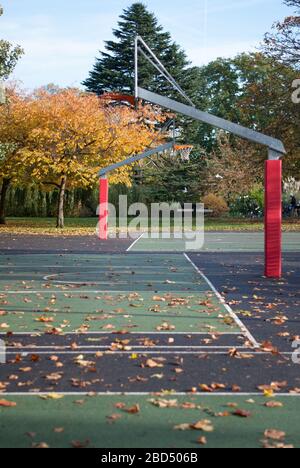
119	97
184	151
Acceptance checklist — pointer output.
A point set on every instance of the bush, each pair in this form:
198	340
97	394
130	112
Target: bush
250	205
217	204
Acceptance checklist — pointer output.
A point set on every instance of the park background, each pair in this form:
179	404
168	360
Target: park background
231	62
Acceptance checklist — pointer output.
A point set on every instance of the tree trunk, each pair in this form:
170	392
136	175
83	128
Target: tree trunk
61	201
4	190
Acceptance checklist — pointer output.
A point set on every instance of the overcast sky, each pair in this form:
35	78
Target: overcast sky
62	37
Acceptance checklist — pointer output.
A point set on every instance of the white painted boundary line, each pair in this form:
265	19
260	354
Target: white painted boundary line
158	394
227	307
135	242
108	347
81	334
101	291
245	351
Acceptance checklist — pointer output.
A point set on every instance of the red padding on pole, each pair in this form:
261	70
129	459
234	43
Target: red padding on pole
273	219
103	209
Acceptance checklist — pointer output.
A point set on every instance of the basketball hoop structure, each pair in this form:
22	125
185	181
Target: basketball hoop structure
119	98
184	152
273	165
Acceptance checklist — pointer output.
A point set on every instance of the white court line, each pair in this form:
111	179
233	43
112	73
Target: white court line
81	334
104	291
108	347
94	283
227	307
245	351
135	242
162	394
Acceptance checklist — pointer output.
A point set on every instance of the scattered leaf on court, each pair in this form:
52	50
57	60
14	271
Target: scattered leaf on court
182	427
242	413
120	405
273	404
41	445
152	364
135	409
58	430
274	434
79	444
162	403
205	426
54	376
202	441
52	396
44	319
7	404
113	418
133	356
25	369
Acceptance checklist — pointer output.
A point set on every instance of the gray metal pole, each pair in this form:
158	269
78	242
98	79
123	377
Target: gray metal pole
275	146
135	158
136	69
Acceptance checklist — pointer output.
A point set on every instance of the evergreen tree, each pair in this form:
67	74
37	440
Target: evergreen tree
174	180
114	70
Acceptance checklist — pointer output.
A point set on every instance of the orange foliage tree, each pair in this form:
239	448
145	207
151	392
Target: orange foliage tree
16	123
76	135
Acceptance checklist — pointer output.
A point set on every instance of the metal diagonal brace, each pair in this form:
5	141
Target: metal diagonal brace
276	146
138	157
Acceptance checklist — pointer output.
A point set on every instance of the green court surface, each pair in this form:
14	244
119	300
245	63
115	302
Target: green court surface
147	421
132	311
109	293
215	242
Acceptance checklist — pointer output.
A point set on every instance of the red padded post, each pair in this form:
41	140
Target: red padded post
103	209
273	219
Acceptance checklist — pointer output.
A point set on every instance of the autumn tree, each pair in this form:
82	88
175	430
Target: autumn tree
77	135
283	44
16	123
233	168
9	55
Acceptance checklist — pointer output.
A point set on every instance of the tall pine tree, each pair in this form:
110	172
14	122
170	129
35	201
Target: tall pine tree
114	70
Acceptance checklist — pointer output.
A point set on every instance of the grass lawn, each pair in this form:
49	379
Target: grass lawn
87	226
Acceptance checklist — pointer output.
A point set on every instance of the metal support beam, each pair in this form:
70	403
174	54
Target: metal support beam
276	146
138	157
156	63
136	68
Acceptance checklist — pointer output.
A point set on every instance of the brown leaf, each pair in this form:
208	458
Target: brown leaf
204	425
58	430
7	404
78	444
242	413
274	434
41	445
274	404
202	441
135	409
152	364
183	427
